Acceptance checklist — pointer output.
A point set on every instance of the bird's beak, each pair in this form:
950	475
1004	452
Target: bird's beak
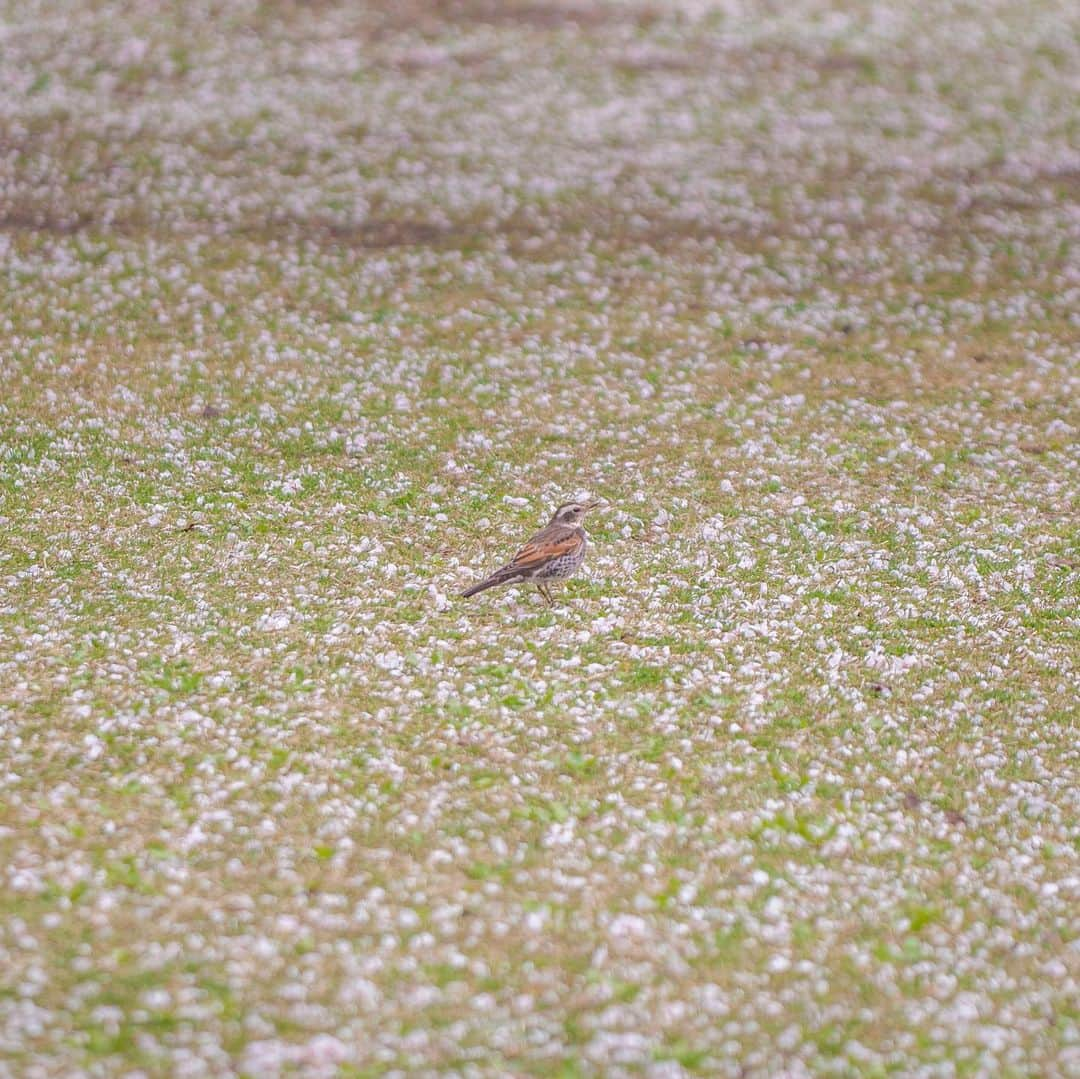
594	503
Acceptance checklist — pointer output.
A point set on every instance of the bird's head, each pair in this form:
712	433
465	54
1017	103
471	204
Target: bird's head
573	513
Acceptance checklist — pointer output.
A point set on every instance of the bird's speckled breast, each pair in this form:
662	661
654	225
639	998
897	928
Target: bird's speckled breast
567	564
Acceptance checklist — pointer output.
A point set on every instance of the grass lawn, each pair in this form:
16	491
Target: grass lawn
311	314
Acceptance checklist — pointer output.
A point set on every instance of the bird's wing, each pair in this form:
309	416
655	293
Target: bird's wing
548	544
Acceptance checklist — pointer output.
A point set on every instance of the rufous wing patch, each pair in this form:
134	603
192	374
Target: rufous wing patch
537	554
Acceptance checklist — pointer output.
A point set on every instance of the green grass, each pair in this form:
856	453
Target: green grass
310	318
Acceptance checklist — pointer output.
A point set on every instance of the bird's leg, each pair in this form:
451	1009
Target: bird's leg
545	592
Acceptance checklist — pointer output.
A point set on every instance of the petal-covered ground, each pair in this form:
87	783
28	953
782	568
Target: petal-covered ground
313	311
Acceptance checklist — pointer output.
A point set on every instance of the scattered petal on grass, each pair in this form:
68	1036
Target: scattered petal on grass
311	312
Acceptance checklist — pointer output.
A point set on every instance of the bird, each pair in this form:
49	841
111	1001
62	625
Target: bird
553	554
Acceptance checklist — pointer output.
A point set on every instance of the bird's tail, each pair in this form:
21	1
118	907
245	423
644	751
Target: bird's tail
500	576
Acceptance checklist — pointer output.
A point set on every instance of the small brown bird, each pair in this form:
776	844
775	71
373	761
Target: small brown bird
553	554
